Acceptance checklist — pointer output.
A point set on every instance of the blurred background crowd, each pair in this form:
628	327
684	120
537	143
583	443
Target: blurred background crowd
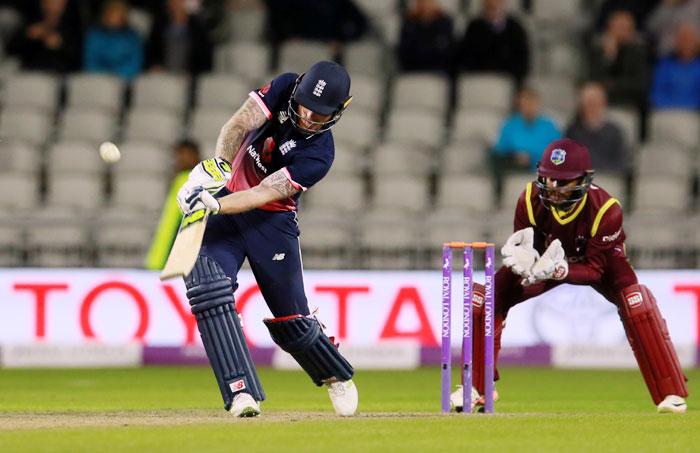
454	101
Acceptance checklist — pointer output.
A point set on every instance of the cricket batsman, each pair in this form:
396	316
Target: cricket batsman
568	230
276	146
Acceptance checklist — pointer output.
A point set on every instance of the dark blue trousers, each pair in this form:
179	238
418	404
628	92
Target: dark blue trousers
270	241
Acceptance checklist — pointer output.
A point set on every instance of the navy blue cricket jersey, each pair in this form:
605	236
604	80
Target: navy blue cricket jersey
277	144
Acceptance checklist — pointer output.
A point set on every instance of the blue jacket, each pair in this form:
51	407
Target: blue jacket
118	52
676	84
531	137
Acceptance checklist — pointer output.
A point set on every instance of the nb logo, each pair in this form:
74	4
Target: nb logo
278	257
318	89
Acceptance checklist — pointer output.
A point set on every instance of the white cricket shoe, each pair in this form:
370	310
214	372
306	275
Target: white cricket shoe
672	404
344	397
456	400
243	405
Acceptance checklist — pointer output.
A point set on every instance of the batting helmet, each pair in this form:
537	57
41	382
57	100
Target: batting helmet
564	161
323	89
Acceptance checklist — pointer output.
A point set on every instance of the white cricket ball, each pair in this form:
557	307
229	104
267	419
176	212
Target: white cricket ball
109	152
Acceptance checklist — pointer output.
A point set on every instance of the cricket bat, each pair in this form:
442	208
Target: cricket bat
187	243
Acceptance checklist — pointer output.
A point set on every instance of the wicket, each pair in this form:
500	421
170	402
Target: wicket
467	323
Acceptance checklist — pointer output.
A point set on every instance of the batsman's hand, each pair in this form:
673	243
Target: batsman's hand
197	198
519	253
551	265
211	174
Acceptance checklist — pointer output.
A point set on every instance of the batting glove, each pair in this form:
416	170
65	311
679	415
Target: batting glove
198	198
519	253
551	265
211	174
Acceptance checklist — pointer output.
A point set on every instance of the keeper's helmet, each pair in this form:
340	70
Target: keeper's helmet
325	90
564	173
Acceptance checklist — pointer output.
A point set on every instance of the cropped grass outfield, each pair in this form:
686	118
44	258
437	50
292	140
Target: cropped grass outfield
178	409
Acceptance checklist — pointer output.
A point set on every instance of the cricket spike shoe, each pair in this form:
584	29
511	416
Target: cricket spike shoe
456	400
344	397
672	404
244	405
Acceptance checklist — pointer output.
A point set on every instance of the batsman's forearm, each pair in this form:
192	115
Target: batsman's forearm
246	119
583	274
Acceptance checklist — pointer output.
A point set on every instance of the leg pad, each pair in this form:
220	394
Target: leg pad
303	338
648	335
211	299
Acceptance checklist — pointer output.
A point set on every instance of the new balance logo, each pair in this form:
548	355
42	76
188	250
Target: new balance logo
318	89
278	257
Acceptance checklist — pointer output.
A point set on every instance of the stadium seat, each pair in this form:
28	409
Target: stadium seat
298	56
661	194
246	24
349	160
207	122
383	246
416	128
246	59
89	125
95	91
29	126
368	94
562	11
664	158
677	126
477	126
513	186
31	90
141	21
367	58
139	192
74	158
11	245
401	192
426	92
613	184
377	9
467	193
485	91
556	94
19	157
66	190
654	242
24	188
222	91
156	125
346	193
123	244
144	158
57	244
462	158
435	233
396	159
160	91
326	240
628	120
357	127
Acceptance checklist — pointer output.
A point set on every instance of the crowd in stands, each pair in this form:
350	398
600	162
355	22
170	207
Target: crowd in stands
459	95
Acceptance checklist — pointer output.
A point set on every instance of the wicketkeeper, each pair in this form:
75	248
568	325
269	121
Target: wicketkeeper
278	145
568	230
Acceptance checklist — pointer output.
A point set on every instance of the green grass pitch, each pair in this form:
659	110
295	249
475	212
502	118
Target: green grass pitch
179	409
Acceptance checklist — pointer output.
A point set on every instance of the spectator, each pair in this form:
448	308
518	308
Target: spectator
179	41
665	20
113	46
495	41
639	9
426	38
51	41
187	156
604	139
677	77
619	61
525	134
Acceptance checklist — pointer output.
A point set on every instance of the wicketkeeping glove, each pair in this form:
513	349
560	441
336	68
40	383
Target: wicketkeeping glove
198	198
551	265
211	174
519	253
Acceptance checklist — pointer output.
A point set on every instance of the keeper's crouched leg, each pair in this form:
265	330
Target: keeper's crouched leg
303	338
211	298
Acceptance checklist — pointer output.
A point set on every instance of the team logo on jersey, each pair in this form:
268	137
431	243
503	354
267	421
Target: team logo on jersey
318	89
558	156
287	146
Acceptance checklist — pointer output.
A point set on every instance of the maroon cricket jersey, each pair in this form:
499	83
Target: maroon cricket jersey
590	233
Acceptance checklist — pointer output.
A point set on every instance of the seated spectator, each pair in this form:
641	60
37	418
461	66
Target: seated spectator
639	9
114	47
619	61
426	38
495	41
187	156
179	41
525	134
676	81
665	20
51	41
604	139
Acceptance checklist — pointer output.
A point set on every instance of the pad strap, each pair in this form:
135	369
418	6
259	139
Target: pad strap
303	338
211	299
